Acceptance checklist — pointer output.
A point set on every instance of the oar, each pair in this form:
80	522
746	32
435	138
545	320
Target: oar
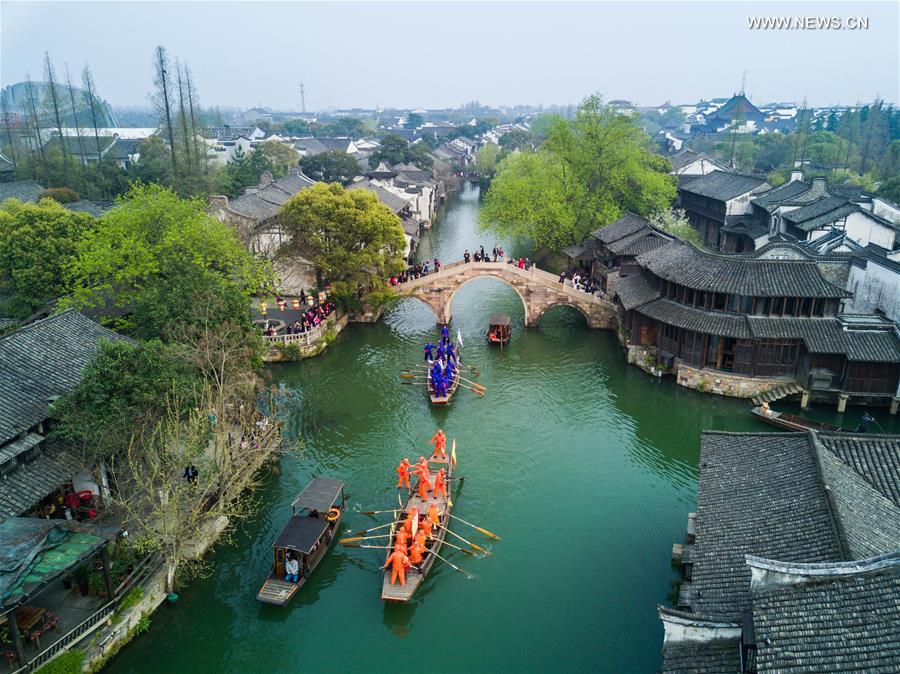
465	573
474	384
477	528
424	371
483	388
473	390
471	545
364	532
378	512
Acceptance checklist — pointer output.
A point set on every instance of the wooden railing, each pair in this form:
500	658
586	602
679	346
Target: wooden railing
70	638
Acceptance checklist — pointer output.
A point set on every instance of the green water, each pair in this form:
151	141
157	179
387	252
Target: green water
586	467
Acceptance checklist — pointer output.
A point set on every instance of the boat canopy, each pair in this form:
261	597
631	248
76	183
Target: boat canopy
301	533
320	494
499	319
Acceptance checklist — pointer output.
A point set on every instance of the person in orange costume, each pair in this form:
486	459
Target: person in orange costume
403	474
397	561
440	487
415	553
434	514
439	440
402	538
425	524
421	537
413	514
424	486
422	469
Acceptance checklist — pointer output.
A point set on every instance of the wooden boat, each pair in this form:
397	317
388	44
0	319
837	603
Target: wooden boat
316	516
792	422
498	329
416	576
443	400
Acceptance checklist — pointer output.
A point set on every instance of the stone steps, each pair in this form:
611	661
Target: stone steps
777	393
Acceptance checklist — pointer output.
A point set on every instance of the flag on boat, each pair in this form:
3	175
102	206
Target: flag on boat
459	337
453	455
415	519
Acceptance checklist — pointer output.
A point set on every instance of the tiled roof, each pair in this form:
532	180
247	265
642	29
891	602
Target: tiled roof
41	361
639	243
828	335
720	656
29	483
738	274
709	322
774	197
876	457
265	203
759	494
815	209
73	145
23	190
632	290
228	133
626	225
723	186
389	199
94	208
830	623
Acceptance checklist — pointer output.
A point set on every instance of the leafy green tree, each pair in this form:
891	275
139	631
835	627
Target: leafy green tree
517	139
588	172
279	156
37	243
154	164
486	159
297	126
353	240
341	126
330	167
149	235
244	170
414	121
890	189
125	390
395	150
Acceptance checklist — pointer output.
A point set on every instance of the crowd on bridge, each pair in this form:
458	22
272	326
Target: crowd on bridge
416	270
306	311
443	359
582	281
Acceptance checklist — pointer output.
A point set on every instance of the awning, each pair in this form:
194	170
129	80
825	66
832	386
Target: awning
320	494
301	533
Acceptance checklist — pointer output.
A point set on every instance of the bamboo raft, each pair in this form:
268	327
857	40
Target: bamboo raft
416	576
792	422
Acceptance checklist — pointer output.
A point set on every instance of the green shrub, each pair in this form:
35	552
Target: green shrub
289	351
142	625
70	662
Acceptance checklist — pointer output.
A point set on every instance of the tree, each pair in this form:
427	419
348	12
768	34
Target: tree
486	159
392	150
37	243
282	158
75	116
162	101
414	121
54	103
890	189
126	389
587	173
153	164
330	167
87	81
350	237
152	233
675	222
35	122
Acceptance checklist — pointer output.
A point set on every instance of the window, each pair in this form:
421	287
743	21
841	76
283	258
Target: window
719	301
776	306
776	357
692	348
700	299
805	307
746	305
790	306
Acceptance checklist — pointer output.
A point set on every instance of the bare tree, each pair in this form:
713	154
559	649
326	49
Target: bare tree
53	102
75	118
194	108
90	88
162	101
7	123
36	123
183	122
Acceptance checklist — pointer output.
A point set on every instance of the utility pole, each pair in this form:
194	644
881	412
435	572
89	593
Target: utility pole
302	98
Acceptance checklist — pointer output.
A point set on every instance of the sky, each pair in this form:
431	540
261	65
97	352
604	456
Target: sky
434	55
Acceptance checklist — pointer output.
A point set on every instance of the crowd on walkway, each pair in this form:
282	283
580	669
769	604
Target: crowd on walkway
480	255
313	316
415	271
581	280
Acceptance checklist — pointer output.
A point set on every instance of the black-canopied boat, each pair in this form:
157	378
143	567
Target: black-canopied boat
316	516
498	329
792	422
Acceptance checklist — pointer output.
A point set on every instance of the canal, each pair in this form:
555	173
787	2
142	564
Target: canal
585	466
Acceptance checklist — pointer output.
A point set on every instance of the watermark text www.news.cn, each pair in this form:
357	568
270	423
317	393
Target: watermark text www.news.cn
807	23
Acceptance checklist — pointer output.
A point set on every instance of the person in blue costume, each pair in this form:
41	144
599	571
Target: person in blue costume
445	332
429	347
440	352
451	352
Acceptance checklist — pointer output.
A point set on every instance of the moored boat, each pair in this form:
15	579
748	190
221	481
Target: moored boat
415	576
792	422
316	516
443	400
498	329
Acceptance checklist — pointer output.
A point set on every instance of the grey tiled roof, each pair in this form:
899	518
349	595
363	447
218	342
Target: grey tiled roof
41	361
709	322
626	225
642	241
815	209
227	133
633	290
837	624
827	335
738	274
876	457
23	190
774	197
759	494
723	186
720	656
265	203
389	199
29	483
90	207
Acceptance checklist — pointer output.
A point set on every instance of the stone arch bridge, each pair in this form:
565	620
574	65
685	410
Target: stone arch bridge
539	291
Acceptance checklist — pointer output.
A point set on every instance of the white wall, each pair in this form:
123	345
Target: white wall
875	287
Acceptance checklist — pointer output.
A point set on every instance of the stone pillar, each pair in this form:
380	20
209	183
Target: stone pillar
842	402
804	400
895	404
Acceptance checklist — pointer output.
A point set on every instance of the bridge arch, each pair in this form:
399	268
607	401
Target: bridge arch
543	310
490	274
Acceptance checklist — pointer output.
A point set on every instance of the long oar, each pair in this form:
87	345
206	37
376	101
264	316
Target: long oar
483	388
377	512
465	573
351	541
474	384
477	528
364	532
471	545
